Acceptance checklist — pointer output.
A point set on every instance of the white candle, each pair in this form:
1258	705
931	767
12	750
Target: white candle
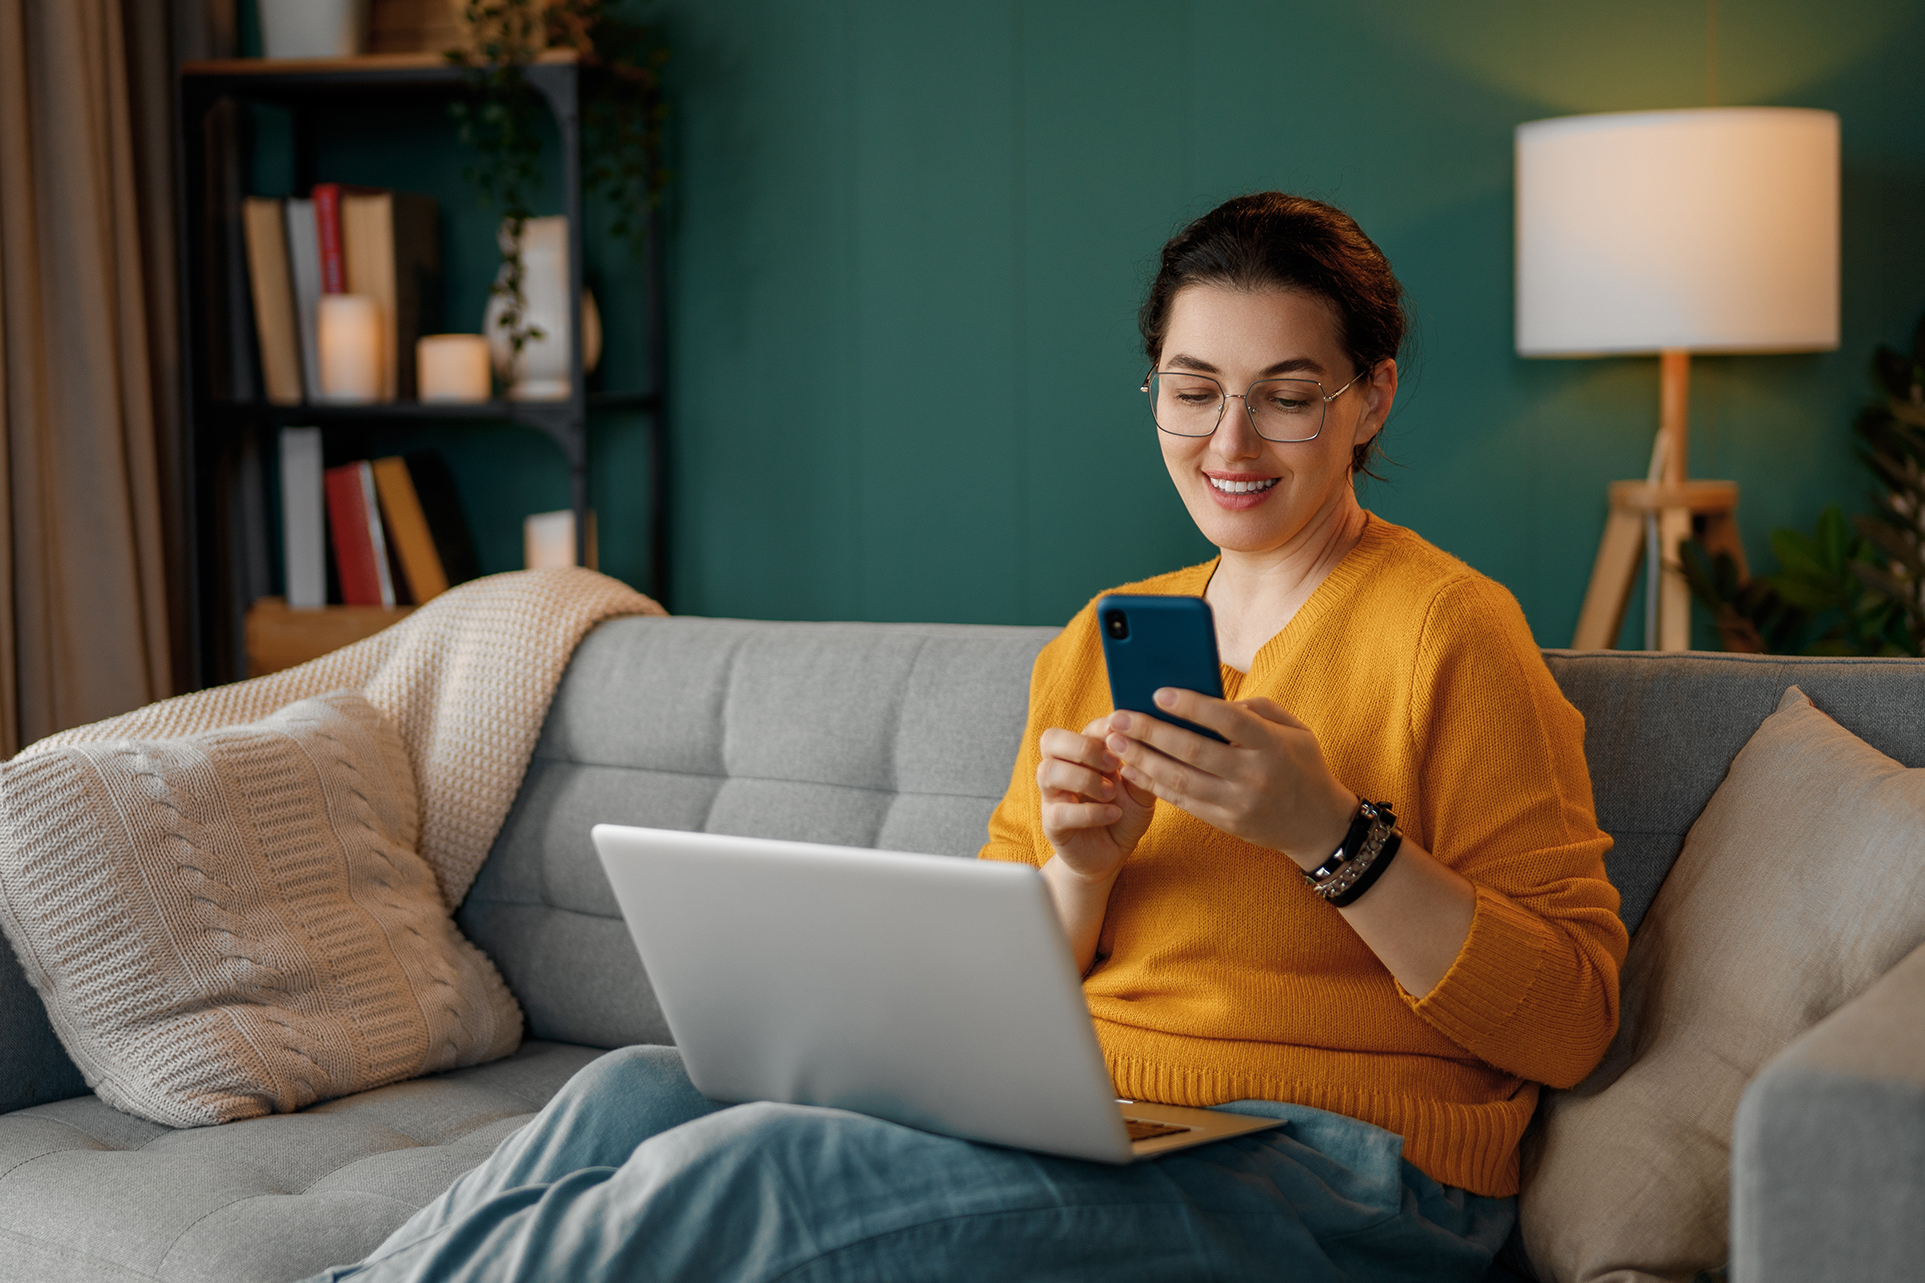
451	367
350	343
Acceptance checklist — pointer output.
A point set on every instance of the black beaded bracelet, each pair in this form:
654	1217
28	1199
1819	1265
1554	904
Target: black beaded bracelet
1353	841
1372	872
1374	826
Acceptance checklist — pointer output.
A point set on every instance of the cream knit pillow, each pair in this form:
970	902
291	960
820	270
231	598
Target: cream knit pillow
236	922
1801	884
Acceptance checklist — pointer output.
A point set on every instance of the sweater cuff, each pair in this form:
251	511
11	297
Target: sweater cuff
1475	1002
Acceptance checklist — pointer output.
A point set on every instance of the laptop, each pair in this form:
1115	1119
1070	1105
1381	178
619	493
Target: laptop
928	990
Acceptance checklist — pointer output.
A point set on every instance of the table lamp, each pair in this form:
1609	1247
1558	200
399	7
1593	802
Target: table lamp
1672	232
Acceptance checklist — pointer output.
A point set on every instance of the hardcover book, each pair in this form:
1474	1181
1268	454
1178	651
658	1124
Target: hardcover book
434	487
408	530
273	292
304	265
327	232
393	256
303	541
354	526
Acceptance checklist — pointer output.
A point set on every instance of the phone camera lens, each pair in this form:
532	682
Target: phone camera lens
1118	624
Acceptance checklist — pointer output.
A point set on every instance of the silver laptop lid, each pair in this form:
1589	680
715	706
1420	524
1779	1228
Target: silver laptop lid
929	990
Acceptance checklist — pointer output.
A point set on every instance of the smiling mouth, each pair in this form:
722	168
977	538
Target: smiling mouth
1224	486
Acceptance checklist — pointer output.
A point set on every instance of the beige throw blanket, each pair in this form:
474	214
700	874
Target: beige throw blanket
467	679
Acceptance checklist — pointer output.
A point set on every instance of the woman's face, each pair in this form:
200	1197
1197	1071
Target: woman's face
1247	494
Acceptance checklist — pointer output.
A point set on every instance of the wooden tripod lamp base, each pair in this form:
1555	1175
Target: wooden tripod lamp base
1678	509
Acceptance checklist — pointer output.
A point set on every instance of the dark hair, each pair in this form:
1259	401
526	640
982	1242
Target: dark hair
1275	241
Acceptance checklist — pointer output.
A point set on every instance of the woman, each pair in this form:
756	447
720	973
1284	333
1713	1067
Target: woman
1453	949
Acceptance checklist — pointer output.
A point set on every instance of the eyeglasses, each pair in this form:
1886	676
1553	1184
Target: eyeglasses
1191	405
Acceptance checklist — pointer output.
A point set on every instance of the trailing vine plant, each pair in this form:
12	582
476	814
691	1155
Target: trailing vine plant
498	121
622	113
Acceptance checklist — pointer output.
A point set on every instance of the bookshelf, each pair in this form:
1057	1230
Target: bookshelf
229	423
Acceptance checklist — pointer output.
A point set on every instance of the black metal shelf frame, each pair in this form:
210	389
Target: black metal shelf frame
212	423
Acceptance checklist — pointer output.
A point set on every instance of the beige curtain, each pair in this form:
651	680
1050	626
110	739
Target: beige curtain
88	366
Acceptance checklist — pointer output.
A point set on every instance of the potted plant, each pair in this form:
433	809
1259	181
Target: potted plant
622	115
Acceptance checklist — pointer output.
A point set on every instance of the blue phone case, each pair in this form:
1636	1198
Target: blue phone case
1160	641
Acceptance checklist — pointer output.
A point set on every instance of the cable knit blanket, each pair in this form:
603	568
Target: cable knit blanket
467	680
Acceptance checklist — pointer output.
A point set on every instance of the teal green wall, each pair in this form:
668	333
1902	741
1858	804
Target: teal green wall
909	240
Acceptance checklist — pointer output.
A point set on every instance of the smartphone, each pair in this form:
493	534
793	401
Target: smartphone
1153	642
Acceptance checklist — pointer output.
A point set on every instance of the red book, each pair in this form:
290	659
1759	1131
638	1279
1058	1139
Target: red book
354	526
327	230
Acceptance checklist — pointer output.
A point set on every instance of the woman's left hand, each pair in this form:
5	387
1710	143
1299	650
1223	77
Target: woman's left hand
1269	785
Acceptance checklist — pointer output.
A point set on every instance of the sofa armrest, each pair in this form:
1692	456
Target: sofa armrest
1828	1149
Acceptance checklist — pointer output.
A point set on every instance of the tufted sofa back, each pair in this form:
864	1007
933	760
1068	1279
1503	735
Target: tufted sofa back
901	736
897	736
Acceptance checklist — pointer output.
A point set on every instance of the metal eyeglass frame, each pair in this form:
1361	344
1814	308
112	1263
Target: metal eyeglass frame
1224	398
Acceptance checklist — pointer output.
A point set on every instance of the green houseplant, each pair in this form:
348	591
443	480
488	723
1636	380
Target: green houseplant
1854	586
1891	437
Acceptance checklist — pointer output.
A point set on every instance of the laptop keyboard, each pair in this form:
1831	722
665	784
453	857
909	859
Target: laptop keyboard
1144	1129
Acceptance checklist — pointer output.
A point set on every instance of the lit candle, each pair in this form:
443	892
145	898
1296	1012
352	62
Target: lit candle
452	367
350	343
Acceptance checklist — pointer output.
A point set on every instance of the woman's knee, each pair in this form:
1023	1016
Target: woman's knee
627	1069
641	1088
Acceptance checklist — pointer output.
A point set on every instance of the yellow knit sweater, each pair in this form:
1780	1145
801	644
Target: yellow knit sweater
1221	976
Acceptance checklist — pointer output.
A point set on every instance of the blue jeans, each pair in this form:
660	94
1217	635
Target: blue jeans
630	1173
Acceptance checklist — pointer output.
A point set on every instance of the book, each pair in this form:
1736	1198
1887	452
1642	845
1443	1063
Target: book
548	540
393	255
229	315
434	486
408	530
354	527
273	295
303	539
243	537
327	237
304	265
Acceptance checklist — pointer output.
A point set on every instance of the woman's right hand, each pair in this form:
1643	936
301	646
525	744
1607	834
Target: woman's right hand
1092	817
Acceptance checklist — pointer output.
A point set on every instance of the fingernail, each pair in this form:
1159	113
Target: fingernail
1113	813
1119	721
1118	743
1165	697
1111	761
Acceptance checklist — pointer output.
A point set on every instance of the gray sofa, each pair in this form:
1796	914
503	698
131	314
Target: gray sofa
901	737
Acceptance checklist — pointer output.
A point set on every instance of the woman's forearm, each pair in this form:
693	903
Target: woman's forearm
1080	905
1268	784
1416	918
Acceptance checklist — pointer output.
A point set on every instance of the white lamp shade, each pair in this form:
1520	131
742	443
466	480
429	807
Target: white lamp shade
1714	230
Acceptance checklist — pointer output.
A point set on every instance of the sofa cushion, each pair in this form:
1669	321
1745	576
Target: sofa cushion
887	735
1660	730
237	922
91	1193
1800	885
